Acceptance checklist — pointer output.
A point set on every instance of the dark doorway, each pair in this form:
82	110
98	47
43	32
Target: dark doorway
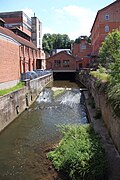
38	64
64	76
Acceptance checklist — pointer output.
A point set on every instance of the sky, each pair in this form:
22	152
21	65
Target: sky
71	17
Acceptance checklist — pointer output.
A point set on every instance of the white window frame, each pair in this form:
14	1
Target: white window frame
106	28
107	17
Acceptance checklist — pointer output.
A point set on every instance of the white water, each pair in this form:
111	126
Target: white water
70	102
71	98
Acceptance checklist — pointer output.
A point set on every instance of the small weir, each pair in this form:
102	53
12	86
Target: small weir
24	144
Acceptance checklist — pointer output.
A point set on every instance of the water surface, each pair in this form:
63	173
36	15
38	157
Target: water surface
25	143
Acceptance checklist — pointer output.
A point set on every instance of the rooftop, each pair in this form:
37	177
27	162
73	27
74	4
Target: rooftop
17	38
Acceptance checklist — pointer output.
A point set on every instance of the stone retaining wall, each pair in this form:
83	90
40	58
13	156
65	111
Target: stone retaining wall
13	104
111	121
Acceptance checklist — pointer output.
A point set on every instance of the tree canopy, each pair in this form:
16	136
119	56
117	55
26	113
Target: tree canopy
56	41
78	40
110	55
110	51
110	58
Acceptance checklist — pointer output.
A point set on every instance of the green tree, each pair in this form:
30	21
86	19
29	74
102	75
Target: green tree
110	58
115	70
56	41
78	40
110	50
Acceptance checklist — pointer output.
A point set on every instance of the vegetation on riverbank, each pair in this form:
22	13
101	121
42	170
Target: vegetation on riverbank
80	153
100	74
109	70
6	91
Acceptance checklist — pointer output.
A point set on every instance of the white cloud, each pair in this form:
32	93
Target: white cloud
77	11
78	18
29	12
46	29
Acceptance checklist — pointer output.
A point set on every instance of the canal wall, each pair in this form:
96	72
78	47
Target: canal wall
14	103
111	121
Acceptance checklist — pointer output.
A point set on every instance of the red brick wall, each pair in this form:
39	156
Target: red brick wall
98	33
9	61
61	56
28	58
81	53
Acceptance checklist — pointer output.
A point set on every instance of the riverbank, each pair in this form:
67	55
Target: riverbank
15	102
25	142
111	151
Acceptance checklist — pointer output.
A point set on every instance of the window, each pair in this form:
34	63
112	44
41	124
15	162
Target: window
107	17
33	36
57	63
12	24
26	51
66	63
26	19
80	66
106	28
26	27
22	50
83	46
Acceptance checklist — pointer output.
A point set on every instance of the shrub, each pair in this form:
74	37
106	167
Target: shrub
114	98
80	154
102	76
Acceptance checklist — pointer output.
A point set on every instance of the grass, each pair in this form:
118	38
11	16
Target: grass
6	91
112	89
58	92
100	76
80	154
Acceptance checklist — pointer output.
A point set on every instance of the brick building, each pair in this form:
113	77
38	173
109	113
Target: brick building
9	61
106	20
82	52
19	22
17	55
67	60
61	62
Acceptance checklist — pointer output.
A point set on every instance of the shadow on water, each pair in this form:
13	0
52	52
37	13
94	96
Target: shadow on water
25	143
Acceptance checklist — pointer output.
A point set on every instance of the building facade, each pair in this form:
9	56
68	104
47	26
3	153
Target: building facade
82	52
61	62
9	61
106	20
17	19
36	35
71	60
17	55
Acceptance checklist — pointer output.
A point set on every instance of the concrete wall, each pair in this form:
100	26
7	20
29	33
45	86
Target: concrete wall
13	104
112	122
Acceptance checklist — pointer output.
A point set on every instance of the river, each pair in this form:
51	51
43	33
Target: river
24	143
